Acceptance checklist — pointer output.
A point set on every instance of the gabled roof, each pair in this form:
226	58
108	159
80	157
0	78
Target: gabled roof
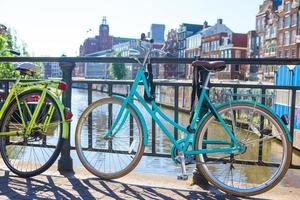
218	28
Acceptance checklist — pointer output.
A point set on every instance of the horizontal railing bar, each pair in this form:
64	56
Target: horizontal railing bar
175	83
252	61
187	84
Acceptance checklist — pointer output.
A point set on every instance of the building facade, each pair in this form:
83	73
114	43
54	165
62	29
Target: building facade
234	46
101	42
92	46
169	70
125	49
98	70
185	30
288	29
253	46
267	30
193	44
212	38
52	70
157	32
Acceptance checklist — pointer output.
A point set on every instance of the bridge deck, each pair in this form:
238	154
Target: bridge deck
136	185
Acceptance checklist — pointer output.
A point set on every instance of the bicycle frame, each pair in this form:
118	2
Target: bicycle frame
19	88
121	118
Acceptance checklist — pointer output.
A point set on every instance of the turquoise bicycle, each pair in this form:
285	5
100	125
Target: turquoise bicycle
231	143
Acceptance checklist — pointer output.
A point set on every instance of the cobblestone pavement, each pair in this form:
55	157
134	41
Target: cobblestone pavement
74	187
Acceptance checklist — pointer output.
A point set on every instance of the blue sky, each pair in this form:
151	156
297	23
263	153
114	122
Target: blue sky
55	27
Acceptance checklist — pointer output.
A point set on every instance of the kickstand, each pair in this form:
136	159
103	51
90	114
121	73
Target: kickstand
183	175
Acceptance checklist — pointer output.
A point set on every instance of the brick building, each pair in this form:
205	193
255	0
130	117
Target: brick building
101	42
233	46
219	41
169	70
253	46
288	43
266	27
210	47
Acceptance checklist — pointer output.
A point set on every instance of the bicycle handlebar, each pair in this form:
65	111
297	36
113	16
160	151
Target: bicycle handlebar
10	51
145	39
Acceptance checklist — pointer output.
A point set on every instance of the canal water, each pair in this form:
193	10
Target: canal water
155	164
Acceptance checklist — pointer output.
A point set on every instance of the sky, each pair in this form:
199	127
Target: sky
56	27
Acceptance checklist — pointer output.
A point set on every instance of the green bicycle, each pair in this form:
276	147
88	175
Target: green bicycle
34	123
232	143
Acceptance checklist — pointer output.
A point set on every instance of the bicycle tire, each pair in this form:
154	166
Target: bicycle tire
104	150
230	178
36	144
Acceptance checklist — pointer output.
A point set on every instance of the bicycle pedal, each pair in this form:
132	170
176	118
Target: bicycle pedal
182	177
187	161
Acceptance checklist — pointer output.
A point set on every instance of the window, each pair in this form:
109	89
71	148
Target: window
280	37
249	43
273	46
287	21
267	33
258	41
258	25
293	53
213	45
286	40
267	47
294	19
293	37
237	68
287	7
238	54
286	53
273	31
281	22
279	54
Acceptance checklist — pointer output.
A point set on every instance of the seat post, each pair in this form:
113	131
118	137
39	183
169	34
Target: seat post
18	79
207	80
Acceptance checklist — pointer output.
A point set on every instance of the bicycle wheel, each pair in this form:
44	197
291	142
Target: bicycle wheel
117	155
261	165
30	156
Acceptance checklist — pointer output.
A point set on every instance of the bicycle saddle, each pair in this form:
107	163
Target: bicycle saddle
26	68
210	66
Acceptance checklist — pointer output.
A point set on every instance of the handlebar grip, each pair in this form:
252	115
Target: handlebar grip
15	52
144	38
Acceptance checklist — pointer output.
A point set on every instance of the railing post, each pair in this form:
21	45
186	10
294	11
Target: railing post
65	162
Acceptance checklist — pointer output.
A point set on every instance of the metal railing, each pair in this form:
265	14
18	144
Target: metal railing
68	63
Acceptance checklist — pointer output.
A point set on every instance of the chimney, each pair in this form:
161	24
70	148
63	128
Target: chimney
219	21
205	25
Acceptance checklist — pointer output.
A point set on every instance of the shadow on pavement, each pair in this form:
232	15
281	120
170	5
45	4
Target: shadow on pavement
59	187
